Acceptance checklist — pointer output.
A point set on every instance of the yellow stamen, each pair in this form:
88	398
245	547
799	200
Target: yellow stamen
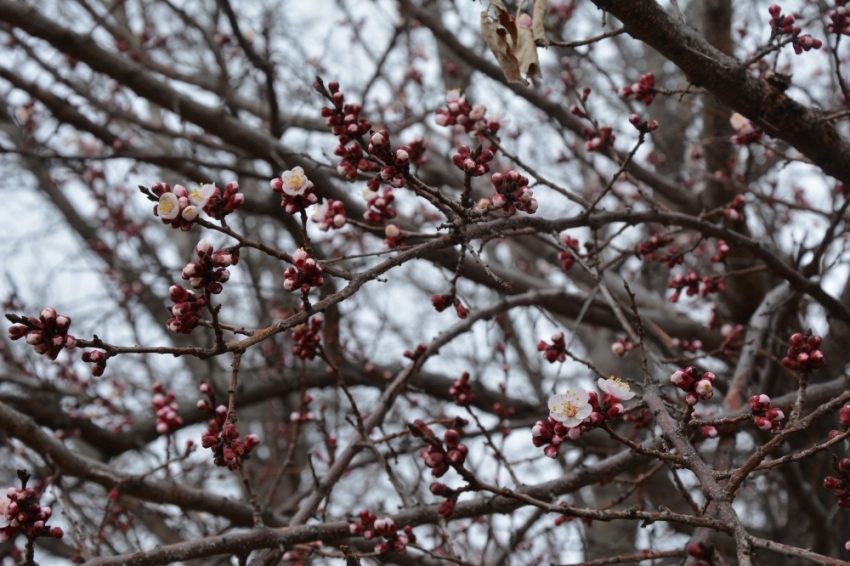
569	409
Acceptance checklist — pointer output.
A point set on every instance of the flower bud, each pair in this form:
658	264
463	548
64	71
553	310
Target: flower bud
204	248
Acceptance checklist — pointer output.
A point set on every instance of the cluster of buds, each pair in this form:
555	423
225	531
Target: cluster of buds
598	140
696	385
442	302
722	251
304	273
745	131
461	391
575	108
416	150
395	541
394	237
378	205
306	339
693	284
167	419
556	351
295	189
784	25
576	411
764	417
343	119
504	412
396	163
550	433
437	456
179	207
621	346
222	437
512	192
470	118
210	271
47	334
642	125
840	485
25	515
220	205
370	526
840	18
187	309
473	163
97	358
642	91
649	248
690	346
304	415
804	353
566	258
330	215
735	210
447	507
353	160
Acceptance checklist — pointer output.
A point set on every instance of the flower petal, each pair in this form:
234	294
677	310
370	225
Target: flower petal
168	207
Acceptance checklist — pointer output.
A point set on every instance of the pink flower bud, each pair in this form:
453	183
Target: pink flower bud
775	415
204	248
614	411
759	402
17	331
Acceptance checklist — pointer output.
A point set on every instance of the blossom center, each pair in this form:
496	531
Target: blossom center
165	206
569	409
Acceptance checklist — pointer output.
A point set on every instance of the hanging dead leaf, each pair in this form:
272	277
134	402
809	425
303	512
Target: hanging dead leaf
540	8
513	45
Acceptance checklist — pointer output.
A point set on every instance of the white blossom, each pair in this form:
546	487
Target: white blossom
295	182
570	407
615	387
168	207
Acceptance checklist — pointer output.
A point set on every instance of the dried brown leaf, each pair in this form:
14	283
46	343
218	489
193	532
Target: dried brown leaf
539	14
513	46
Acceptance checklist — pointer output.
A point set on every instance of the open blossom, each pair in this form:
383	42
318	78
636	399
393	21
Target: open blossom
198	199
570	407
295	182
168	207
616	388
